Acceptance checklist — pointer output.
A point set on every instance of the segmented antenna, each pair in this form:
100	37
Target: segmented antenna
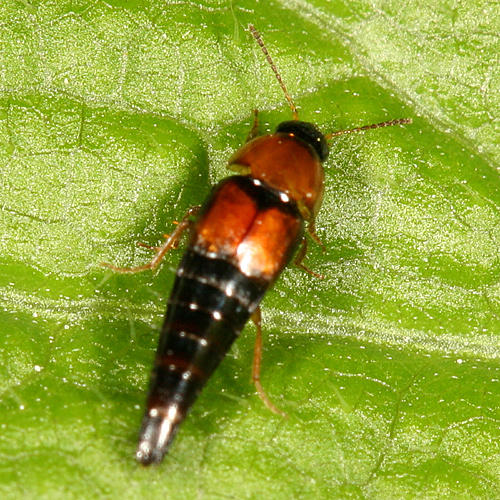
390	123
257	37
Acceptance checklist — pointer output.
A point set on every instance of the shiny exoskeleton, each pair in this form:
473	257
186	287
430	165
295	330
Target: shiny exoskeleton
244	235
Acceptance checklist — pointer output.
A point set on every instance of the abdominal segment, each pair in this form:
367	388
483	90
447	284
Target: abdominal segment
217	287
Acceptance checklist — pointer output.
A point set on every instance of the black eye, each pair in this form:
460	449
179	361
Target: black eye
308	133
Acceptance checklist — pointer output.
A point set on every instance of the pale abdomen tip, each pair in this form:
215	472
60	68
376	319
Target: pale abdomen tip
157	432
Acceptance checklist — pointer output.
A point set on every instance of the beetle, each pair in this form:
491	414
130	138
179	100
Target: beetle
241	239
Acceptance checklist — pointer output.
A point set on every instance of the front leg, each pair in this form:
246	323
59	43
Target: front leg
254	131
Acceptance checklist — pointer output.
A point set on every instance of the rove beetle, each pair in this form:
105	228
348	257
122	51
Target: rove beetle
242	237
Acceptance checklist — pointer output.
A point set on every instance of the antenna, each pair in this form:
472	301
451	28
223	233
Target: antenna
390	123
257	37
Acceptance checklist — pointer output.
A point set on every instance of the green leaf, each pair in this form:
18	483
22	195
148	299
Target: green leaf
116	117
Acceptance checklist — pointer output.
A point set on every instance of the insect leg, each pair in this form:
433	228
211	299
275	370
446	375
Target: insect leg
257	359
171	242
254	131
300	257
309	218
311	229
153	247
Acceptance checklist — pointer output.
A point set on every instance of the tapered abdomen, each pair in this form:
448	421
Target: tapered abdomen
243	238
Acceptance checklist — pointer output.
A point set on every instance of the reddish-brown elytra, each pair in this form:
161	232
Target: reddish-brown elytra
242	237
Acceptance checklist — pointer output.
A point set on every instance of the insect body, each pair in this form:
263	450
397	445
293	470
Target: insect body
245	233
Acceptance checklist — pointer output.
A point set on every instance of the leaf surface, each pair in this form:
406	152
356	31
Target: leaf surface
116	117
